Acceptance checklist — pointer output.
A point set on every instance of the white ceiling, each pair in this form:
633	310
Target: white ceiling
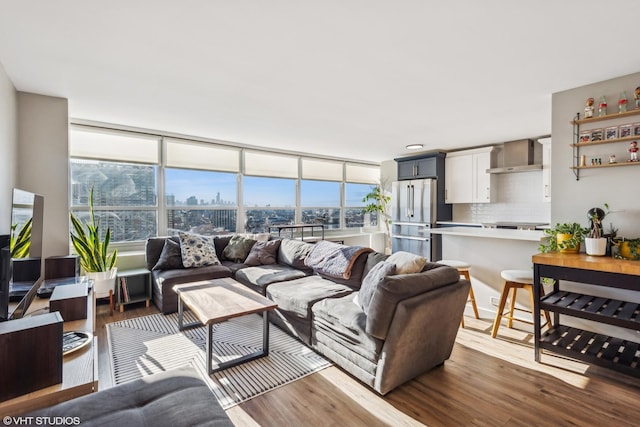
357	79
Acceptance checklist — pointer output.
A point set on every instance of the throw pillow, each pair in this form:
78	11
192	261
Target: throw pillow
170	257
407	263
371	281
238	248
197	250
263	253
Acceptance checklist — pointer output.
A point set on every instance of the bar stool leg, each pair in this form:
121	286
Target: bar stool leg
472	297
503	302
512	307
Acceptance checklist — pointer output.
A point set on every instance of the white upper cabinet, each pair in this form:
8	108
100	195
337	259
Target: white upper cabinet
466	177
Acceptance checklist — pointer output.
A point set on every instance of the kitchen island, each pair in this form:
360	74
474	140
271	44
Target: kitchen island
489	251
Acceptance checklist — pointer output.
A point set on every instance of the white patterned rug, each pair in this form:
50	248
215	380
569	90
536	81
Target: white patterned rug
150	344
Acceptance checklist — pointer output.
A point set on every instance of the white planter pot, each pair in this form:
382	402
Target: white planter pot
103	282
596	247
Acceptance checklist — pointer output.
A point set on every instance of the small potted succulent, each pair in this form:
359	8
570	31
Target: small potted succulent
565	237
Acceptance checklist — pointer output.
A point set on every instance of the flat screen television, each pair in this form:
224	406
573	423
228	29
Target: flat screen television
21	256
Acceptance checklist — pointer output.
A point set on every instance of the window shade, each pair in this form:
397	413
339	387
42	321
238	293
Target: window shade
321	169
105	145
275	165
201	155
363	173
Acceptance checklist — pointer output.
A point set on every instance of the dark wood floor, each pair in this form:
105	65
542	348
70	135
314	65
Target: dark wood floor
486	382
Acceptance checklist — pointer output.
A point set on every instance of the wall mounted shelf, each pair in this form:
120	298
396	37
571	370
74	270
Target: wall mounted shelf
629	113
607	165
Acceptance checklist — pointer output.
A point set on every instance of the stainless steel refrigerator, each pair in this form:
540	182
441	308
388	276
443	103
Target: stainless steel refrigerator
415	211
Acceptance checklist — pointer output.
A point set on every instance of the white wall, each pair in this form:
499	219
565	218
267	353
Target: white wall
43	163
8	147
616	186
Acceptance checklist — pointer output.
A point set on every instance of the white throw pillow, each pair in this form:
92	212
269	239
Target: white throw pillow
407	263
197	250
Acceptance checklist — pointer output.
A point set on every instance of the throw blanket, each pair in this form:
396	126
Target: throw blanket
332	259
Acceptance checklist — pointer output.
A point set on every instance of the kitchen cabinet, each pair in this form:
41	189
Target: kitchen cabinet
417	168
546	169
580	144
466	177
592	347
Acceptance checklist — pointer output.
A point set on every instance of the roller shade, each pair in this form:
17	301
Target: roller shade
321	169
363	174
112	145
201	155
274	165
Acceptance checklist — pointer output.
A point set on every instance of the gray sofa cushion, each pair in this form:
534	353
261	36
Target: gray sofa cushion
397	288
164	280
372	259
340	324
370	283
170	257
171	398
259	277
296	297
153	249
263	253
293	254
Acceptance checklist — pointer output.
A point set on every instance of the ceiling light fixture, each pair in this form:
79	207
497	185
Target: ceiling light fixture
414	146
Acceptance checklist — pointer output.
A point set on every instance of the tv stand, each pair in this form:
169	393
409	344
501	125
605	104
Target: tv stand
79	369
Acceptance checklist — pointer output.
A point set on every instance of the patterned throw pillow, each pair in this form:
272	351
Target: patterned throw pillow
371	281
171	256
263	253
197	250
238	248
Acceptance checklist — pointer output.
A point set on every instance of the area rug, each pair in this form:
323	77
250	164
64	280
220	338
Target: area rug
150	344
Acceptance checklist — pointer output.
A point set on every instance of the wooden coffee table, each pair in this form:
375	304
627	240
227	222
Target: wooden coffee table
215	301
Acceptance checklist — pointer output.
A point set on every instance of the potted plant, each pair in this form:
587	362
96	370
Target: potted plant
20	242
595	244
93	252
628	248
564	238
377	202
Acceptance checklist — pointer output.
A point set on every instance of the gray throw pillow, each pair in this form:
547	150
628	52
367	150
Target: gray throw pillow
197	250
263	253
170	257
370	283
238	248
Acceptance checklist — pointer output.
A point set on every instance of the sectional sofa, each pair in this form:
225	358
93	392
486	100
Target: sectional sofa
406	326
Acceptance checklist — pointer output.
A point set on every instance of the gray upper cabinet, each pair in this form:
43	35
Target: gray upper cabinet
417	168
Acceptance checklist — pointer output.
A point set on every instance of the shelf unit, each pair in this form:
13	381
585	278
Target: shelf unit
138	282
577	145
595	348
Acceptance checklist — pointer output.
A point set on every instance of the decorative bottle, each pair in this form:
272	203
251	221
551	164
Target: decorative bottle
622	103
602	107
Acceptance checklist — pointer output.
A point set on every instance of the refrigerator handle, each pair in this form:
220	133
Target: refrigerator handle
408	201
413	198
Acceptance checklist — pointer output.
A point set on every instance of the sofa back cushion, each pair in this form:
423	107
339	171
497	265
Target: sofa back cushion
373	258
371	281
238	248
293	254
393	289
153	249
171	256
263	253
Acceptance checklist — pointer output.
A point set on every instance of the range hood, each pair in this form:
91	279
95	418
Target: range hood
517	156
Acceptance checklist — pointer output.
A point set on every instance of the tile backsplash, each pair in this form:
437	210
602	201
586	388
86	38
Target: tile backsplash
519	198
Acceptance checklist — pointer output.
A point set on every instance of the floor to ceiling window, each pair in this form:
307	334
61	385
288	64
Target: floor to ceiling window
146	185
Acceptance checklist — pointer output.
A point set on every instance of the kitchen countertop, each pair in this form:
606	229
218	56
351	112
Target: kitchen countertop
455	223
492	233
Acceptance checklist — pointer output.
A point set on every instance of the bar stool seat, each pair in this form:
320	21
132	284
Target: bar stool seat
463	269
515	279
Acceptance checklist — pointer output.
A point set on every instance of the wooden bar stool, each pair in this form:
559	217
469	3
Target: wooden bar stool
515	279
463	269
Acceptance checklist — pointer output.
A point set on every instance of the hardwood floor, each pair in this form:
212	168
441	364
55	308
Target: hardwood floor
486	382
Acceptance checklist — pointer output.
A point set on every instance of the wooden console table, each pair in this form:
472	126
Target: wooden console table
79	369
598	349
